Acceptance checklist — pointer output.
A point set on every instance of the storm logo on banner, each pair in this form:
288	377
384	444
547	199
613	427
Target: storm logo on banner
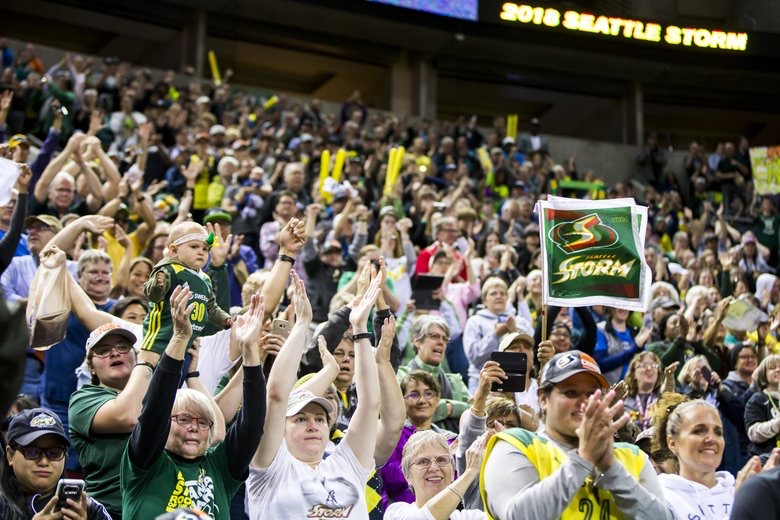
584	233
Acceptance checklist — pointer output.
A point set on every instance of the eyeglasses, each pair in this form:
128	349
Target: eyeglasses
434	336
651	366
104	351
747	356
415	396
37	226
35	452
185	419
560	334
425	462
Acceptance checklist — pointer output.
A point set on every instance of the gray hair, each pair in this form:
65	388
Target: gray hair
197	404
93	256
417	442
290	167
62	176
423	324
437	225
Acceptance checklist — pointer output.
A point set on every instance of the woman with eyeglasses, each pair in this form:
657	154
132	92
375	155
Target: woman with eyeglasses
422	394
34	462
643	381
169	459
428	467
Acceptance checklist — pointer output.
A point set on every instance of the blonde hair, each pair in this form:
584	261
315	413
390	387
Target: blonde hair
684	377
253	283
496	407
668	421
195	403
490	283
759	376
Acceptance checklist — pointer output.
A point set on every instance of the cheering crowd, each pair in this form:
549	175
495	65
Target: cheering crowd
248	320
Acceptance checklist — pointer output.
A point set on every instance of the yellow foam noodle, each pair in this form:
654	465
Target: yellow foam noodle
271	101
399	161
512	126
389	173
214	68
484	158
324	167
338	166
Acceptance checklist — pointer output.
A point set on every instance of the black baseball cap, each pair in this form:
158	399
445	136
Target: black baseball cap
29	425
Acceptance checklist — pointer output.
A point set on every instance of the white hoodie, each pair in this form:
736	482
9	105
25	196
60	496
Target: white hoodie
693	501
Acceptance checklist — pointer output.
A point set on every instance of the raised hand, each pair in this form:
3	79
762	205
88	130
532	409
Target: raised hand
181	309
192	170
491	373
292	237
5	100
364	279
249	325
219	251
325	355
385	346
95	122
52	256
144	132
546	352
96	224
476	452
359	315
122	237
25	176
597	430
301	303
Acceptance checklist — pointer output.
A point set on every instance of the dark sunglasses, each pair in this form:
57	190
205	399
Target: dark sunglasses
35	452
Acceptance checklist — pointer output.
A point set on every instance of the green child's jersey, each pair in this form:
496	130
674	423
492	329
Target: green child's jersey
158	324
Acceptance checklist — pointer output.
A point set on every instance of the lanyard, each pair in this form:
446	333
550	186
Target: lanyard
643	409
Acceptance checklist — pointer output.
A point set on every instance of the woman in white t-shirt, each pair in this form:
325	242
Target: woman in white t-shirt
288	477
429	469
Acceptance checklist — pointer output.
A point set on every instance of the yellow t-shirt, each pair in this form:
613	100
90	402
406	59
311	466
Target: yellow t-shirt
116	251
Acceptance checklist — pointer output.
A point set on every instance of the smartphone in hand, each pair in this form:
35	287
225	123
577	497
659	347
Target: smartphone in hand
68	489
515	366
281	328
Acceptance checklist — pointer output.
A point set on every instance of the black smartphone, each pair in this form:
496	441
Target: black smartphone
706	374
68	489
515	365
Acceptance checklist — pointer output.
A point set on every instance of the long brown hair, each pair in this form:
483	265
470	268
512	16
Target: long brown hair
631	382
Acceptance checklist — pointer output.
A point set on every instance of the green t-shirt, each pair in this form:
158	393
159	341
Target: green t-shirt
99	455
767	230
172	482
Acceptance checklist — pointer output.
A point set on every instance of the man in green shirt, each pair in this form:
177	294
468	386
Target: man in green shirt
430	335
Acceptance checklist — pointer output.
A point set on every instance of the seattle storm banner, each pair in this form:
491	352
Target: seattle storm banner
593	253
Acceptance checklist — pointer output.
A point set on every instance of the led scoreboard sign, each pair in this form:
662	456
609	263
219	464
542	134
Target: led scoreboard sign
623	28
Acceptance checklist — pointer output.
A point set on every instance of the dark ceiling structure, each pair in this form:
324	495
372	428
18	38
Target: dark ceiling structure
580	85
